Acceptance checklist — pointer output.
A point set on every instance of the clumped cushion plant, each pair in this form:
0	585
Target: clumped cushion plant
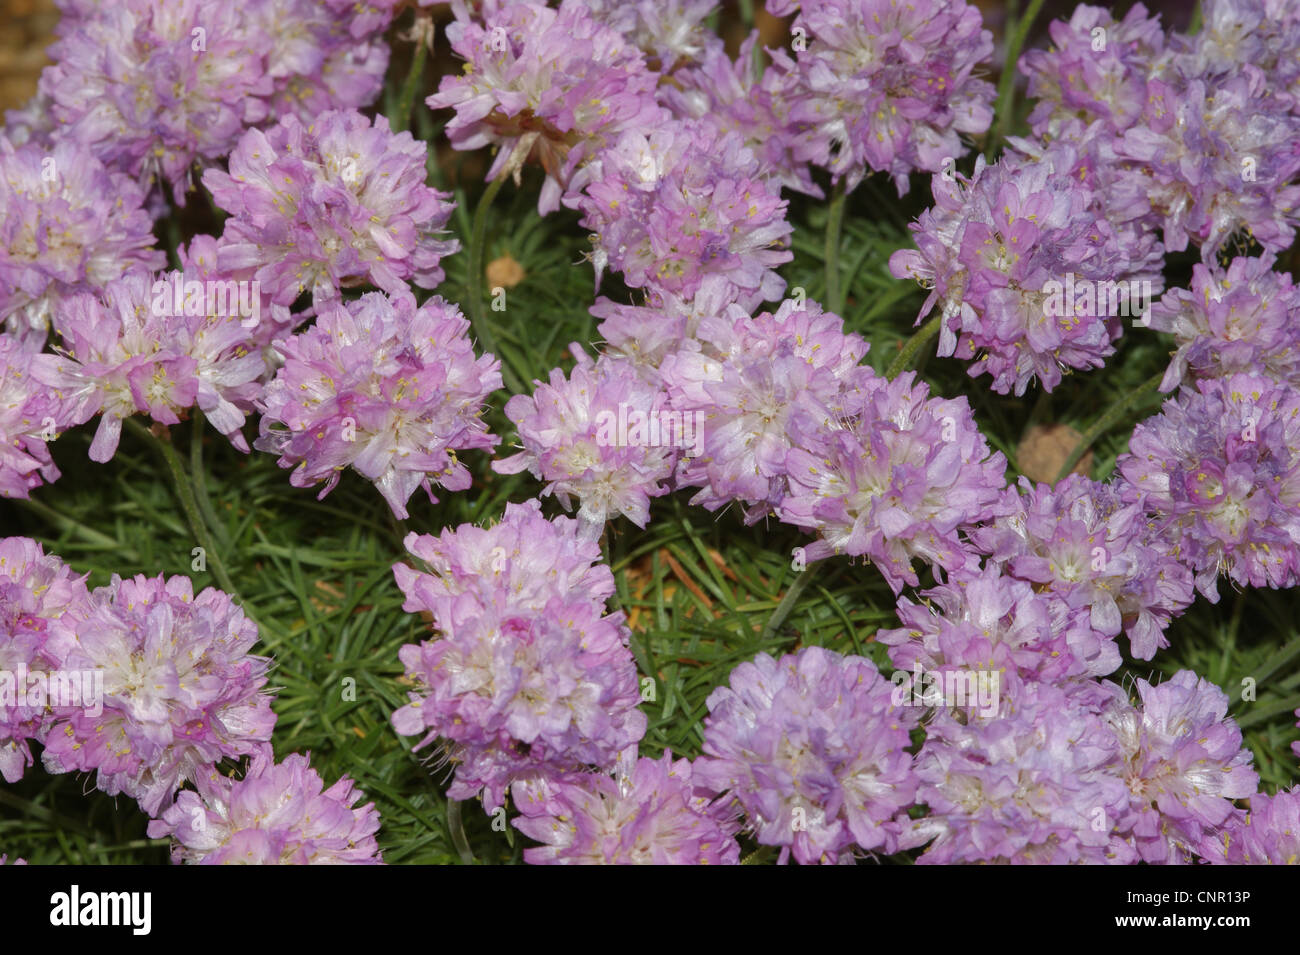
725	353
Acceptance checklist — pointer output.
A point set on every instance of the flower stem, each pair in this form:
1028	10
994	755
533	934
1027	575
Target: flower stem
1005	107
1103	424
834	222
402	121
913	345
1230	644
198	473
457	829
788	601
185	493
173	231
478	317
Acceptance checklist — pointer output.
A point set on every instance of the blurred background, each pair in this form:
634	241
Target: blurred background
26	29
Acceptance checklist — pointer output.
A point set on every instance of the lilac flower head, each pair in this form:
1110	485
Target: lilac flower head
1030	274
672	204
1033	784
1096	69
519	564
152	86
159	347
762	386
1262	33
324	55
1183	762
1191	137
886	86
1218	470
158	86
554	85
33	411
338	202
736	96
601	435
180	690
391	389
901	482
67	224
36	589
669	32
1214	158
652	812
218	324
1234	320
115	368
989	622
645	335
815	752
278	814
526	676
265	321
518	695
1269	834
1082	543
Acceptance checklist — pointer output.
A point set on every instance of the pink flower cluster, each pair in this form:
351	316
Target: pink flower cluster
1219	469
527	677
155	86
181	692
1029	274
576	434
150	687
337	201
1087	547
815	751
32	414
765	385
67	224
654	812
1190	136
389	388
906	479
671	205
885	86
544	84
278	814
